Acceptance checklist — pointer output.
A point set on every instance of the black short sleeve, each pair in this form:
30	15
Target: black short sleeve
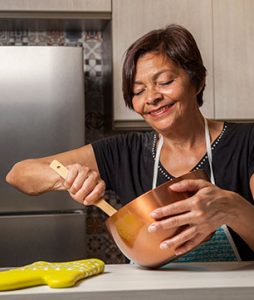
125	163
251	151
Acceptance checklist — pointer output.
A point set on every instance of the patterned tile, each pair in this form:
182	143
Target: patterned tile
37	38
4	38
73	37
55	38
101	246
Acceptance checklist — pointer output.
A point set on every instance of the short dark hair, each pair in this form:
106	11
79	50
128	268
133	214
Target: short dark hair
177	44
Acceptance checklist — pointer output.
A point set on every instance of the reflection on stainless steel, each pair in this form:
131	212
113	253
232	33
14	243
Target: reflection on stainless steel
41	113
129	226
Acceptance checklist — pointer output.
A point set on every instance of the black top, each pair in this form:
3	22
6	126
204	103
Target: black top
126	163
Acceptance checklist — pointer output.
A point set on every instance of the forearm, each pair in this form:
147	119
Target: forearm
33	177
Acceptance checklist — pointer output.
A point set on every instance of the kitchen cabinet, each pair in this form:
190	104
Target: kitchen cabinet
131	19
233	59
224	31
56	5
54	15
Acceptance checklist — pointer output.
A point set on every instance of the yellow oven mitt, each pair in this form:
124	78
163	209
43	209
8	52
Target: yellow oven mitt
55	275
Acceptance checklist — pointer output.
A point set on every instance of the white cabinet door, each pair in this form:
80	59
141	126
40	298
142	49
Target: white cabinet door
234	59
131	19
56	5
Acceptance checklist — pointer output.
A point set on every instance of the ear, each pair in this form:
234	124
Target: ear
202	84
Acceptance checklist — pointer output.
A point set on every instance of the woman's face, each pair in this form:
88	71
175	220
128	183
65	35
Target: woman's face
163	93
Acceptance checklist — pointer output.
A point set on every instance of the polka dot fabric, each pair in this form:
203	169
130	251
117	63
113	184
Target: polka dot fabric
55	275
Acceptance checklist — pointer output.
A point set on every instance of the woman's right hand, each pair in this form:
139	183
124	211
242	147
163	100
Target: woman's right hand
84	185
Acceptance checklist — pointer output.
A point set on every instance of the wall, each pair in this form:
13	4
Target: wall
98	241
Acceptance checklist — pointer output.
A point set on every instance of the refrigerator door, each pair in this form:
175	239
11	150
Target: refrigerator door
41	113
51	237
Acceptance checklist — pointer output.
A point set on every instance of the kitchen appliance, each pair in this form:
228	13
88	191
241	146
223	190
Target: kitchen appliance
41	113
129	226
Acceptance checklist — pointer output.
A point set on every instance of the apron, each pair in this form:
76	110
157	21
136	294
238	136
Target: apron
221	246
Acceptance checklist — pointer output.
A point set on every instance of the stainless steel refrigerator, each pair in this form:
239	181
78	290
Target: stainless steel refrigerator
41	113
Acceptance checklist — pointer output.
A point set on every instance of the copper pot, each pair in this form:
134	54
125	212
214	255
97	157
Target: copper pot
129	226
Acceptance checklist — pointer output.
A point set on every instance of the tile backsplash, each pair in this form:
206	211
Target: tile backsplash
99	243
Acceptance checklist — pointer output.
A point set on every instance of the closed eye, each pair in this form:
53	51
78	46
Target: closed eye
165	83
137	93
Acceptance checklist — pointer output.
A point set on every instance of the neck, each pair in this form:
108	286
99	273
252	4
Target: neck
190	134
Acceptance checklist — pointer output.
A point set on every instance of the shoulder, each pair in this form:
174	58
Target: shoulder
135	137
238	136
129	139
240	129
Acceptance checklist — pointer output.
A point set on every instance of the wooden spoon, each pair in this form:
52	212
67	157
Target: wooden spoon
102	204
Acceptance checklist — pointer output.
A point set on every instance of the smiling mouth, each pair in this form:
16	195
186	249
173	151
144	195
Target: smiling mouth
161	110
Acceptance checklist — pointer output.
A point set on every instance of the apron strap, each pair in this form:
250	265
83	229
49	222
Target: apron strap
156	162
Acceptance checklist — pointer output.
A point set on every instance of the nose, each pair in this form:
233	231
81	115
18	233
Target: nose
153	96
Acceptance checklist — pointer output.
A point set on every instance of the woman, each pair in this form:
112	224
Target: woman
163	81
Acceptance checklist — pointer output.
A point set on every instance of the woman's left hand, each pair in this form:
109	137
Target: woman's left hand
205	211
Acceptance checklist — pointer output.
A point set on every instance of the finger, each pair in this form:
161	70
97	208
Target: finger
87	198
96	194
88	185
189	245
180	239
82	175
189	185
172	222
171	209
71	175
75	177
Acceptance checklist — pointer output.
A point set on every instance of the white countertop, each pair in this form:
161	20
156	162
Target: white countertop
179	281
